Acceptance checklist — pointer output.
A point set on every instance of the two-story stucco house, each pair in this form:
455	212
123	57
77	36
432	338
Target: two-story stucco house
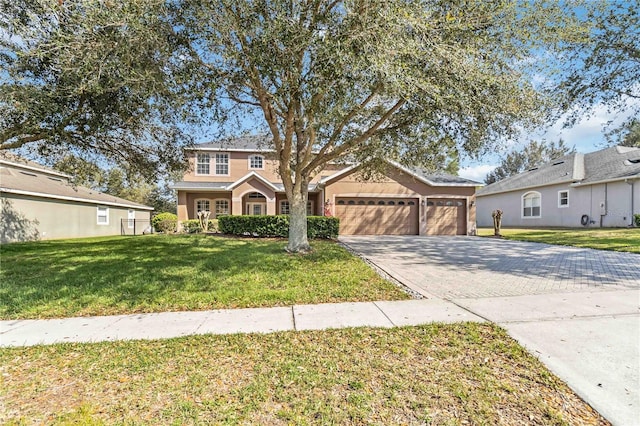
599	189
240	177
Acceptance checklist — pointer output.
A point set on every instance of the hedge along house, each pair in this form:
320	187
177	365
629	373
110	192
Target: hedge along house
40	203
599	189
240	177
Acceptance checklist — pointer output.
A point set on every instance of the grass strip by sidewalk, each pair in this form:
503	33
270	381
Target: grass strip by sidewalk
122	275
615	239
436	374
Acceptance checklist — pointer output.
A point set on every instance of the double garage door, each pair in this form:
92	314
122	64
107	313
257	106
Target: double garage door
393	216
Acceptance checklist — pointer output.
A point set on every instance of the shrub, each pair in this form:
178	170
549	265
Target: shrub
636	219
277	226
192	226
165	222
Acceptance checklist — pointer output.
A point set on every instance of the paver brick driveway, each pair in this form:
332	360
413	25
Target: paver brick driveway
464	267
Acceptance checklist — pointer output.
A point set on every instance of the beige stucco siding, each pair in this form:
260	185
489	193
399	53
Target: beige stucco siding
51	218
400	185
238	167
187	202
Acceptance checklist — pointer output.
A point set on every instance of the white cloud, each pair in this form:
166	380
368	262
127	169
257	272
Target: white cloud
477	172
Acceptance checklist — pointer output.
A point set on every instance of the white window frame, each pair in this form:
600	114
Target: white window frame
131	220
215	207
217	163
256	157
195	205
203	159
284	203
560	205
105	215
531	195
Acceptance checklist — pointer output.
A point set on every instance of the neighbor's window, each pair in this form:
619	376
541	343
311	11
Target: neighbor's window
202	206
531	204
222	164
563	199
202	165
222	207
103	215
256	162
309	208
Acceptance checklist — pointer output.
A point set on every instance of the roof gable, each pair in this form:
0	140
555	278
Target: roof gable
615	163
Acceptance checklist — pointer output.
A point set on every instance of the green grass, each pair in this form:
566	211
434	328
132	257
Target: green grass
437	374
616	239
119	275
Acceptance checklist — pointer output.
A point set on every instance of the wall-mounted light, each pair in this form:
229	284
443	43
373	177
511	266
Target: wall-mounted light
472	203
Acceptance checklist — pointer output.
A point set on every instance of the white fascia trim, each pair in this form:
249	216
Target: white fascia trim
526	188
338	174
249	176
198	188
82	200
619	179
35	169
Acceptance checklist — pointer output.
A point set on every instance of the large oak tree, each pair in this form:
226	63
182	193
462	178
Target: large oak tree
361	79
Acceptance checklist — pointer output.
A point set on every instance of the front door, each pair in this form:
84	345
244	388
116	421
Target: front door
256	209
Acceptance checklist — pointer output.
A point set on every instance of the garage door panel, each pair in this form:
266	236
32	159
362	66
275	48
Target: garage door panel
446	217
371	217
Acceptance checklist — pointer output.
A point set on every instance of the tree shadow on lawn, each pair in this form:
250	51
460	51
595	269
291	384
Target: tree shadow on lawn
151	273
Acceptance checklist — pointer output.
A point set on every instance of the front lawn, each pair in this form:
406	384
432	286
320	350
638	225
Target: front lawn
120	275
436	374
616	239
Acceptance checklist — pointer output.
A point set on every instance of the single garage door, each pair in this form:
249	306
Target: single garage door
446	216
377	216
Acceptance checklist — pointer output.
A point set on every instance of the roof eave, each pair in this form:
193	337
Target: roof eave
78	199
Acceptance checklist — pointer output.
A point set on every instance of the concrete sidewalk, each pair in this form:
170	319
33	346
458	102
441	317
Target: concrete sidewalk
228	321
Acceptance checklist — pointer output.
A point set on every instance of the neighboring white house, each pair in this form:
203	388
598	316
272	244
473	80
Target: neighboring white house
599	189
40	203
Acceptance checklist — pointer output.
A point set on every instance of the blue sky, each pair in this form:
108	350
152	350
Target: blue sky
588	135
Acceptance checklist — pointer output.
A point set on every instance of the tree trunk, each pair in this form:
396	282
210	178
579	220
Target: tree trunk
298	242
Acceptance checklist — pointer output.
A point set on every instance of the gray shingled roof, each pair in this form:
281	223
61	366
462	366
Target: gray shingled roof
243	143
222	186
13	178
208	186
604	165
611	163
443	178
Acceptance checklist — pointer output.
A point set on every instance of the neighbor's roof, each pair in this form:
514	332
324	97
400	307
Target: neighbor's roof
610	164
42	183
13	160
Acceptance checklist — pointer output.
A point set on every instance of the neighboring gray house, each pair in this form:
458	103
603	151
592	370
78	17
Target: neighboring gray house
600	189
40	203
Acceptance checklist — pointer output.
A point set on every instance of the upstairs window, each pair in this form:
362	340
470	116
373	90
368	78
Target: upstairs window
222	164
256	162
531	202
202	164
